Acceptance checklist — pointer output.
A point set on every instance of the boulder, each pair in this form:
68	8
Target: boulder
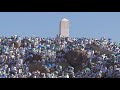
75	58
37	66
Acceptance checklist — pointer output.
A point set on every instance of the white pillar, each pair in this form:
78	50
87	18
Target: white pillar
64	28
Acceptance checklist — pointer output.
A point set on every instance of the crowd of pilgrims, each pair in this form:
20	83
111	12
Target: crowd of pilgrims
16	56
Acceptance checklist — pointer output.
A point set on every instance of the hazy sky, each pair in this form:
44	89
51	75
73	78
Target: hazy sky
46	24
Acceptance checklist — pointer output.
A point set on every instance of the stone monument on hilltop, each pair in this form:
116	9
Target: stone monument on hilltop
64	28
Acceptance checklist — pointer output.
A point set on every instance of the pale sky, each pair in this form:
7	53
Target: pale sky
46	24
